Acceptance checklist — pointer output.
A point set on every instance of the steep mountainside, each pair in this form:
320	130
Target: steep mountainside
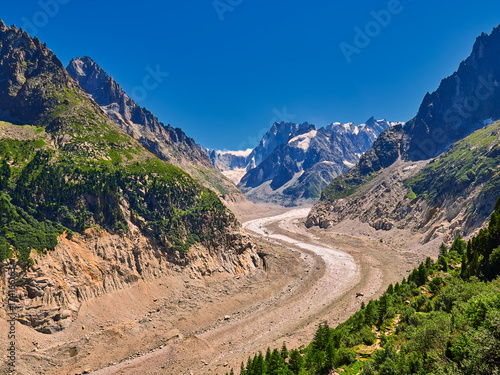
299	168
457	190
164	141
464	181
71	178
384	152
279	133
466	101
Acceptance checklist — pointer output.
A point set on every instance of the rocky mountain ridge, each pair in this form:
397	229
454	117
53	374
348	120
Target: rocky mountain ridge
168	143
466	101
24	100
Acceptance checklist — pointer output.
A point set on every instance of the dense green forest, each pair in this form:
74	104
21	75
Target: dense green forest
443	319
44	192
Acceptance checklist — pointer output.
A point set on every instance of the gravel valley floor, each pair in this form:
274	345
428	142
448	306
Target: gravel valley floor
208	326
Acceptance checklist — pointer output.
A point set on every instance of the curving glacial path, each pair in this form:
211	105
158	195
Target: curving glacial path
324	289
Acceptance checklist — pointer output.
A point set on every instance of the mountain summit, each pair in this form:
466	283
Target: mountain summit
466	101
235	164
25	97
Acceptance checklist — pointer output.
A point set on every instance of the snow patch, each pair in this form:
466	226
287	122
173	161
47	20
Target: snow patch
347	164
235	175
79	68
241	153
304	140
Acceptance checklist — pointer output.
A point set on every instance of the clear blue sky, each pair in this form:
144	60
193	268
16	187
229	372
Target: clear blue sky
228	80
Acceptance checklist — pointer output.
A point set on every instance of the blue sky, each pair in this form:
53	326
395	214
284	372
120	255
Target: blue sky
234	66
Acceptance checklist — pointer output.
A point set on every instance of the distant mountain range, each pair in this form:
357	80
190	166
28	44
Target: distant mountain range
237	163
168	143
294	162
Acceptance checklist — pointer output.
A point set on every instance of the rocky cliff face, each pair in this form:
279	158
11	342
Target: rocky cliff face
85	202
26	98
49	294
467	100
280	133
168	143
453	194
385	151
299	168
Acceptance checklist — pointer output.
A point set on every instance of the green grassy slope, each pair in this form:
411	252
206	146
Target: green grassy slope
472	163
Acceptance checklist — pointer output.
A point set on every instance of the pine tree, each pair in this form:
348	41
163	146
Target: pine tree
284	352
443	250
296	361
331	356
249	368
469	249
268	355
443	263
321	337
422	273
276	363
258	365
429	263
385	308
390	289
4	174
459	245
371	313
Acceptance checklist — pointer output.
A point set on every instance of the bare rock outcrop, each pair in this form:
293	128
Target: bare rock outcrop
386	203
47	295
